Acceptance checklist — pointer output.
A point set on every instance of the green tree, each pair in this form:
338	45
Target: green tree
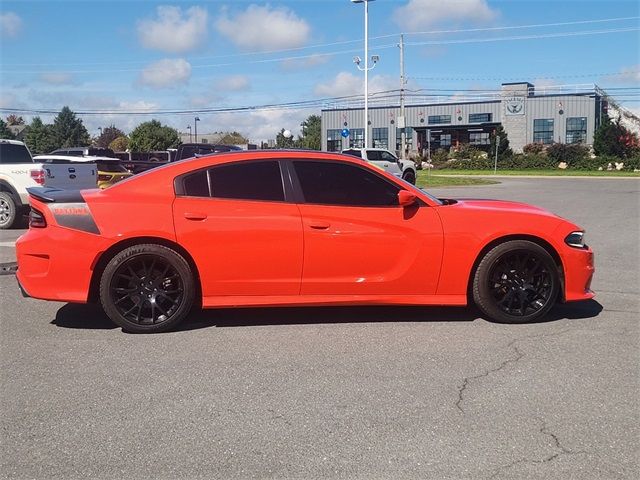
109	134
149	136
5	132
503	148
612	138
233	138
119	144
69	131
284	142
311	133
39	137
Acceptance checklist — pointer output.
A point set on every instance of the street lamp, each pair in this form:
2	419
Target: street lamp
189	128
195	128
366	68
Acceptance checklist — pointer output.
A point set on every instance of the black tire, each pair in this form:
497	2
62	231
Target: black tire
516	282
147	288
409	176
8	211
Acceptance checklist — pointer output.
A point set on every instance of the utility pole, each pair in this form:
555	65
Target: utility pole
495	165
402	122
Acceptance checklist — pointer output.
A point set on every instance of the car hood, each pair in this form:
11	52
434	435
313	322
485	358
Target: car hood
483	205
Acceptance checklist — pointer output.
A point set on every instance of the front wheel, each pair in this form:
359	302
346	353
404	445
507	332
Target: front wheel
147	288
409	176
516	282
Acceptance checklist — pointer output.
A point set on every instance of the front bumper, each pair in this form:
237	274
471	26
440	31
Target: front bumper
578	273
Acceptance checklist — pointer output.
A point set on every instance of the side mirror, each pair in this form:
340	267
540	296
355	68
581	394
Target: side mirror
406	198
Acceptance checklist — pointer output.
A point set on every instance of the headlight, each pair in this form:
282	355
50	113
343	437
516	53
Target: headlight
575	239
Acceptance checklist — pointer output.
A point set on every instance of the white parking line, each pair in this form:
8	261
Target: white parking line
8	244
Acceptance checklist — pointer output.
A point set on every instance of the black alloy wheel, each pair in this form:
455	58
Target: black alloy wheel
409	176
147	288
516	282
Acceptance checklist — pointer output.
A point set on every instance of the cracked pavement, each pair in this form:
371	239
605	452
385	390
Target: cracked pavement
357	393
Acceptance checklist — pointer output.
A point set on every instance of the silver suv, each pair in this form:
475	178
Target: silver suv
386	160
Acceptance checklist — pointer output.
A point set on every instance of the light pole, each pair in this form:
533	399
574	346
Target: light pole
195	128
189	128
366	68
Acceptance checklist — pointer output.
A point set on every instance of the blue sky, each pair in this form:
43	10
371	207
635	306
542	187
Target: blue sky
133	56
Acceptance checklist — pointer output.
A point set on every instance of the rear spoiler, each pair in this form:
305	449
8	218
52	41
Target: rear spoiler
55	195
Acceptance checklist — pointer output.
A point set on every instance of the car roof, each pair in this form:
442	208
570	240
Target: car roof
12	142
75	159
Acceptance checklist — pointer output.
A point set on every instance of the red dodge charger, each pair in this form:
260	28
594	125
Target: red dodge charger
267	228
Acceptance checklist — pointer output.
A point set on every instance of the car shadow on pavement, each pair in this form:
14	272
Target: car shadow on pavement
92	317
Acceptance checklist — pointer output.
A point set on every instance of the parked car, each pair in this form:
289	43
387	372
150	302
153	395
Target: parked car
138	162
84	152
266	228
110	171
405	169
18	171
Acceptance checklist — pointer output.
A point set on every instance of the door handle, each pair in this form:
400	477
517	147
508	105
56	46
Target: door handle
195	216
319	225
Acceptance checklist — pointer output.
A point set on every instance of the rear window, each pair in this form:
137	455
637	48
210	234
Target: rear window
12	153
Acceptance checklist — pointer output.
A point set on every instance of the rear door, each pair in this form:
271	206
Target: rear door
358	240
243	234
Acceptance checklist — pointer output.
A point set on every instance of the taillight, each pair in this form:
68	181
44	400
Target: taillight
36	219
38	176
103	178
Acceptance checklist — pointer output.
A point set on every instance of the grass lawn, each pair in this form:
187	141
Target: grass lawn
550	173
426	181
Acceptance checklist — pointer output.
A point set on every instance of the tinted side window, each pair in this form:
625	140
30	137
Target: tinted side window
196	184
248	181
374	155
341	184
387	157
12	153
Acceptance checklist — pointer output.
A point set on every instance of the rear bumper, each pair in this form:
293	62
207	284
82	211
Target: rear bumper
22	290
56	263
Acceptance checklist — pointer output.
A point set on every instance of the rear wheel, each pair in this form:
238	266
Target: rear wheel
516	282
8	211
409	176
147	288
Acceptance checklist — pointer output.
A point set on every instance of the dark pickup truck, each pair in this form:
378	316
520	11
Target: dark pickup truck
137	162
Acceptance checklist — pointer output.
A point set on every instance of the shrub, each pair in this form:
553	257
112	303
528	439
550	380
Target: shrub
439	158
533	148
468	152
571	154
521	161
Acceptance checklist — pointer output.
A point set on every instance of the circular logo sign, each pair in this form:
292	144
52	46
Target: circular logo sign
345	132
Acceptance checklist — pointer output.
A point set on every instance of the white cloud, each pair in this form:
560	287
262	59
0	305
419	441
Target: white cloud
418	14
10	24
345	84
56	78
626	75
311	61
174	31
233	83
166	73
264	28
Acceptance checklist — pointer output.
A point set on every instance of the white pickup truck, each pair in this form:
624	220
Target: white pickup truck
386	160
18	171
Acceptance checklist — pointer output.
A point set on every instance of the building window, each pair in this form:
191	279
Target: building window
445	140
479	117
356	138
435	119
380	137
334	140
408	138
543	130
577	130
479	138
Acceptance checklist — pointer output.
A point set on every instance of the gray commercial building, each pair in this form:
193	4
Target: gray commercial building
527	115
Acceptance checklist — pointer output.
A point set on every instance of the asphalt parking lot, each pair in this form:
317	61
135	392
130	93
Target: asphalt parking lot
340	392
